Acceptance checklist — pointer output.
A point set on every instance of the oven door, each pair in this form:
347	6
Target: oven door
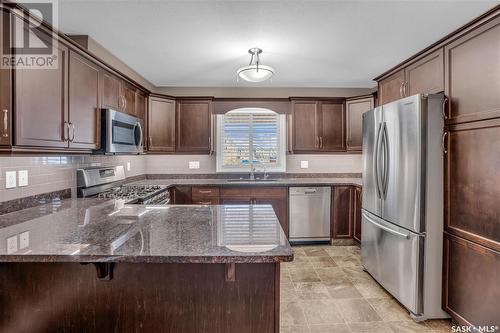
124	133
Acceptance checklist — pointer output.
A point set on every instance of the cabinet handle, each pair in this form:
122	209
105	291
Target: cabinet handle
124	103
401	90
66	130
204	202
150	141
71	126
317	142
5	123
443	142
205	191
445	115
321	142
405	85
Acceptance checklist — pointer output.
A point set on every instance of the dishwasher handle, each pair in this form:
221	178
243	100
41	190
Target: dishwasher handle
310	190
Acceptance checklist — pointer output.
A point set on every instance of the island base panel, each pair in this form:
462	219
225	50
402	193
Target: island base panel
69	297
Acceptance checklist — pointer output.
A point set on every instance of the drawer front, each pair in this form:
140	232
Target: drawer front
205	201
254	192
205	192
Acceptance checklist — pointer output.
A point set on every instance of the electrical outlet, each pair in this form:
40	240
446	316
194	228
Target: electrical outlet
194	164
24	240
23	178
12	244
10	179
128	166
304	164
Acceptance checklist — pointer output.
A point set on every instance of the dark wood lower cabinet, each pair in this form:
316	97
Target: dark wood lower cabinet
356	215
471	282
140	297
274	196
342	212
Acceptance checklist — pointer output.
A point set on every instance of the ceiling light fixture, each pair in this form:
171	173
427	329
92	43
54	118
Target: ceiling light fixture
255	71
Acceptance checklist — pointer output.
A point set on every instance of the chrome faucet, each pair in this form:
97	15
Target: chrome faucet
252	173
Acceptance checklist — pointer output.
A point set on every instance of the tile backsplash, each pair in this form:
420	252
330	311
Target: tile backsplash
54	173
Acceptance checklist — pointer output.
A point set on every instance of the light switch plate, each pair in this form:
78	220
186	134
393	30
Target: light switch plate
12	244
10	179
23	178
304	164
24	240
128	166
194	164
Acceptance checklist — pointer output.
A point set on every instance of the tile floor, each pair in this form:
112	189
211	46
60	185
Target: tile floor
325	290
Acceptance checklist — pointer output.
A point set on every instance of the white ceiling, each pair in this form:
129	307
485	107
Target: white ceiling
309	43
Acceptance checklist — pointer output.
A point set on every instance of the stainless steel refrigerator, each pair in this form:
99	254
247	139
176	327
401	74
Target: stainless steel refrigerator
402	215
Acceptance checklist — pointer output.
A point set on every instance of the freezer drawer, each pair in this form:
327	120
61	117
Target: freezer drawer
393	256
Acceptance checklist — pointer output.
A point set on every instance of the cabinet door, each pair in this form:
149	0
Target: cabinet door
426	75
83	103
357	213
194	126
342	226
161	127
129	93
355	109
111	95
305	126
471	275
41	103
472	182
332	124
472	67
5	95
391	88
141	101
280	206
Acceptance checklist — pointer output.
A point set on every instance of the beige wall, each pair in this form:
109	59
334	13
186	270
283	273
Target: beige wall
178	164
262	92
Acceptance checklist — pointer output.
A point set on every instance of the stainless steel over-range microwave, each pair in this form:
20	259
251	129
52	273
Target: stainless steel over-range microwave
121	133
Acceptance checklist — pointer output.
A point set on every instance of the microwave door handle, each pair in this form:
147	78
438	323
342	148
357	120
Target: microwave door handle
141	136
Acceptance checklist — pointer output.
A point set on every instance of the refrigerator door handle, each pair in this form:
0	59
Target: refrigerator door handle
383	227
378	179
385	177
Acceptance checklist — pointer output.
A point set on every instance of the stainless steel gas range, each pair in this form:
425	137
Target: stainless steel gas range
108	183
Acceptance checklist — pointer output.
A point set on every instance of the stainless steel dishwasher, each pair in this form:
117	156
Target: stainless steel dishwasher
309	214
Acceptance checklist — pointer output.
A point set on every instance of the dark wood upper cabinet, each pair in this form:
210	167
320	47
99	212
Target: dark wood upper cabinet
305	126
357	213
342	212
161	125
332	126
391	88
129	94
5	94
141	104
472	182
84	115
194	129
111	97
472	66
318	126
470	284
41	103
355	109
425	75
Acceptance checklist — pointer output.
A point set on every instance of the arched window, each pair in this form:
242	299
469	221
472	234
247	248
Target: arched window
251	138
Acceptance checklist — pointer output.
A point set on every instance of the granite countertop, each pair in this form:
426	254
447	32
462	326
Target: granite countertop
276	182
94	230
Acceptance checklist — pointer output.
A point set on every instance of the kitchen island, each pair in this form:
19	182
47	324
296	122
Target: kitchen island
90	265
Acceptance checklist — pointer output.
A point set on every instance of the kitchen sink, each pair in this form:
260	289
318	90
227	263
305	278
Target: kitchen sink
250	180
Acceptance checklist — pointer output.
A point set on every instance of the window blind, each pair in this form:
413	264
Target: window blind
250	138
